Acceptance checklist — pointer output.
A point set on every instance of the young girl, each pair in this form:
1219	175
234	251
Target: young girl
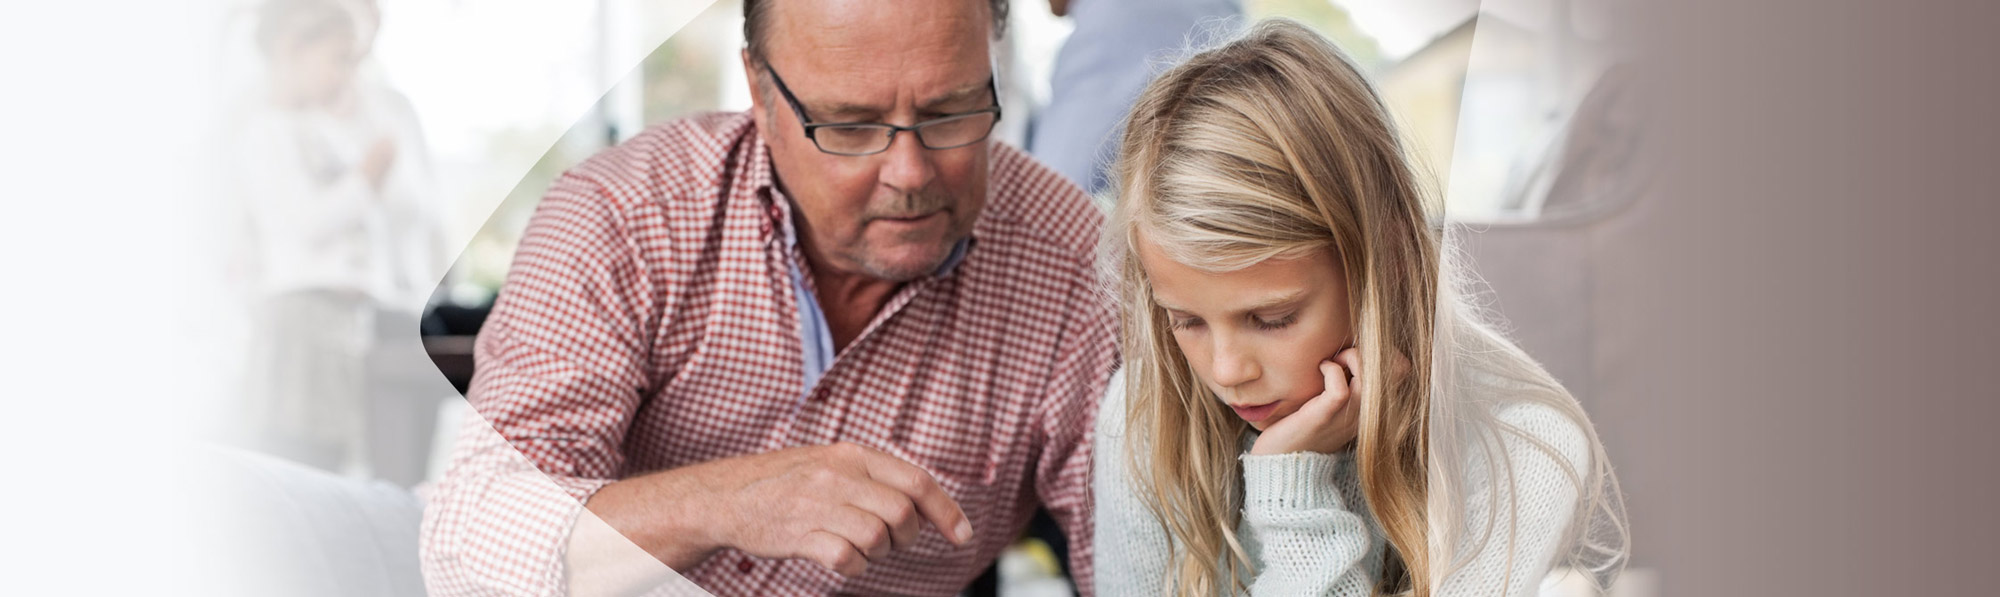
1308	405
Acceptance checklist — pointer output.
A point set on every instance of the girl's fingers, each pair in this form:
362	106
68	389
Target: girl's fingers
1328	402
1351	359
1336	379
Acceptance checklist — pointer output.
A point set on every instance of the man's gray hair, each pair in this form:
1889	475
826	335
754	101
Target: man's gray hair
756	12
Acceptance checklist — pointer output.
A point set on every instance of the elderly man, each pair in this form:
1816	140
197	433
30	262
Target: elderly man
840	344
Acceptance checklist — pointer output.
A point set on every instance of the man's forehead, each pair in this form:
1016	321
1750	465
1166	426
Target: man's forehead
830	11
878	27
861	64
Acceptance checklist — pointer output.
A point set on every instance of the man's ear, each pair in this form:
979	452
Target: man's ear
751	77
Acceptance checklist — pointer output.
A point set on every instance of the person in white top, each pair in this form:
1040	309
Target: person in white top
1310	405
340	237
334	171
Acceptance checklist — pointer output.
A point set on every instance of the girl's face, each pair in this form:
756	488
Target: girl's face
1257	335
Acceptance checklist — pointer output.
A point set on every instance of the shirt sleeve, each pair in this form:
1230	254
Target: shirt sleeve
1084	361
561	371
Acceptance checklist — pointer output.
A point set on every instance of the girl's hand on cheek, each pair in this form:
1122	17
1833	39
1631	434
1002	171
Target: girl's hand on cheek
1326	423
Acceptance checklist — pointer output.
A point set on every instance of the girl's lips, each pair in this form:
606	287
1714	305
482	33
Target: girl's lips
1255	413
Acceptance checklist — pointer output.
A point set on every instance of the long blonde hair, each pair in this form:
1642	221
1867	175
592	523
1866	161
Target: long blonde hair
1273	145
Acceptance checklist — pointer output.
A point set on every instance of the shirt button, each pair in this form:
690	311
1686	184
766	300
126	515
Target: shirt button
745	566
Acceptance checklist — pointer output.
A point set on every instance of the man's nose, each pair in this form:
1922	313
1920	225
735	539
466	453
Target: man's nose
906	165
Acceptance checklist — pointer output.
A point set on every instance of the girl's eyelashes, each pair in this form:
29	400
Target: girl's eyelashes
1186	323
1274	324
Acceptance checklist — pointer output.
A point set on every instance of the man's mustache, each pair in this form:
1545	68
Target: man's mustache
915	204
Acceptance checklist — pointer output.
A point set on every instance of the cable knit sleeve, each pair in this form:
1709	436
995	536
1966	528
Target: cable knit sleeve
1131	547
1307	540
1539	500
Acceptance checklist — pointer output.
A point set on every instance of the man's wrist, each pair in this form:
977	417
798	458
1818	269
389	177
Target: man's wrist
658	514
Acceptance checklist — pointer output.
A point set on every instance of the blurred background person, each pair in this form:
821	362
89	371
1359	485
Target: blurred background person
1106	60
339	247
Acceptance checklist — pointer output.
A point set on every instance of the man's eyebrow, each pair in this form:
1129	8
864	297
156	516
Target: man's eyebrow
954	95
830	111
843	112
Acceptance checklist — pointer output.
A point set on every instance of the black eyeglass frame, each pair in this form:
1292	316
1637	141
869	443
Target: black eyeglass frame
811	127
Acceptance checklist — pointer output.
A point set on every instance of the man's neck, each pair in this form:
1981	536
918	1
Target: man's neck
848	300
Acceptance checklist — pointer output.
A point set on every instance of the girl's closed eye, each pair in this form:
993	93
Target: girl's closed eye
1184	323
1280	323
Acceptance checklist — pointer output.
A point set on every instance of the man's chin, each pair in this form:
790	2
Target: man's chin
906	265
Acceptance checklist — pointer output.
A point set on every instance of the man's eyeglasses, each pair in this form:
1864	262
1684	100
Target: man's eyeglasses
865	138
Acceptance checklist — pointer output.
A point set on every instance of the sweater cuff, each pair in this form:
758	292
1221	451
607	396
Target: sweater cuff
1289	482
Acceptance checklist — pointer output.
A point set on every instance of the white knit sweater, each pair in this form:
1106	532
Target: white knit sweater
1306	526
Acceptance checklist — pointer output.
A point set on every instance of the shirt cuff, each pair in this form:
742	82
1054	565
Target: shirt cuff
1290	482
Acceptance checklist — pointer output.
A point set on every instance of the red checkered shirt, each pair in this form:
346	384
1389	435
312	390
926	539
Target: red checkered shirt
650	322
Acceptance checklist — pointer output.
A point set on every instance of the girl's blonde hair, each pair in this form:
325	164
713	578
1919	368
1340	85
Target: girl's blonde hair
1274	146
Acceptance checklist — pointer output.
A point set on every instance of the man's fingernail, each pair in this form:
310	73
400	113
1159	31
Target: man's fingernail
964	531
